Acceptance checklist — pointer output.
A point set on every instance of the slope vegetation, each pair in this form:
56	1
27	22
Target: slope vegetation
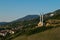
51	34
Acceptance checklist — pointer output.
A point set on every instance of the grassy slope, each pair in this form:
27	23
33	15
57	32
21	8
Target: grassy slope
52	34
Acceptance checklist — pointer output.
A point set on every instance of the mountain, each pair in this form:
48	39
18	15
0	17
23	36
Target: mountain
3	23
46	16
26	18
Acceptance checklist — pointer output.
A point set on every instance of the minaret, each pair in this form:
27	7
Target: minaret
41	20
40	17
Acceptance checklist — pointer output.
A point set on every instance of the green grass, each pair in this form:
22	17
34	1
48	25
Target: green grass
51	34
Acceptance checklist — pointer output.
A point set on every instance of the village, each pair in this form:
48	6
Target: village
8	31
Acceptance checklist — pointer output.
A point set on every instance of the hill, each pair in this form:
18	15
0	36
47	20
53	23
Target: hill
3	23
51	34
26	18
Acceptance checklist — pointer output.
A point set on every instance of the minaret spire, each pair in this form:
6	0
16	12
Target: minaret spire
42	18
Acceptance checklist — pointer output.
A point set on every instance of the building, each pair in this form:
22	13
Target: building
11	31
53	22
40	24
3	33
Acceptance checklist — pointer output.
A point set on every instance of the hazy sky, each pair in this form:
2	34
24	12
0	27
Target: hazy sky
13	9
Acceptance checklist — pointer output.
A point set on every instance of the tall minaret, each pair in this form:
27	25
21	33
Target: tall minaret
40	17
41	20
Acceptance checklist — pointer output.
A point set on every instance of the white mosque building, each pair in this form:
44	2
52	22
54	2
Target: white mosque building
40	24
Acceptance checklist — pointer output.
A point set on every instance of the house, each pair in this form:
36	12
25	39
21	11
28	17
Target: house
3	33
11	31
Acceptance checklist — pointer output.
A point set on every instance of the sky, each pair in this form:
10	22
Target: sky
14	9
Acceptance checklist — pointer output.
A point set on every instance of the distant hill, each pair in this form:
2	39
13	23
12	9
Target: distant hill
27	18
3	23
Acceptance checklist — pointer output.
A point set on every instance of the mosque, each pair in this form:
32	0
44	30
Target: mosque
40	24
